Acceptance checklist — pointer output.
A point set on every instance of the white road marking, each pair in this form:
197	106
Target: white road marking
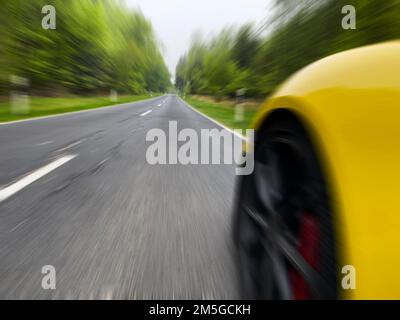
71	145
145	113
12	189
103	161
44	143
160	105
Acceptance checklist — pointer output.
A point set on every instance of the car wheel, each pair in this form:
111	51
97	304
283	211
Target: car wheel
283	225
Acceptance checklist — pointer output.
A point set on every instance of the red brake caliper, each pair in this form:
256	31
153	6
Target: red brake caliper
308	247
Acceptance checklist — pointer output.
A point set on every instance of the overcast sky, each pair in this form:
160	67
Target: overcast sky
175	21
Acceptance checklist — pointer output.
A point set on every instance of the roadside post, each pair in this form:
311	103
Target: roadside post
239	109
19	95
113	95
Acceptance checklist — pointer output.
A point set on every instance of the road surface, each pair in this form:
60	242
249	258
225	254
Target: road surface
77	193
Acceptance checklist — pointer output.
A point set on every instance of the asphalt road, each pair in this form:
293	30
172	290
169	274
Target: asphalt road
112	225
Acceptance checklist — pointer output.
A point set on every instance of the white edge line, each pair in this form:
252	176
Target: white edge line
146	113
12	189
73	112
214	121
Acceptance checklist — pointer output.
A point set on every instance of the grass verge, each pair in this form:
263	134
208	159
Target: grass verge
45	106
223	112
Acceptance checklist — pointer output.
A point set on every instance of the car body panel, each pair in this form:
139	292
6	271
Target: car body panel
350	102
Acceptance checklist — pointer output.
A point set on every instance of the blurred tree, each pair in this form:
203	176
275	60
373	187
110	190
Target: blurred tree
98	45
299	33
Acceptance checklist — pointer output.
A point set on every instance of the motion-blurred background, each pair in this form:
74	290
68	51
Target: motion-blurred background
105	46
259	57
97	46
111	224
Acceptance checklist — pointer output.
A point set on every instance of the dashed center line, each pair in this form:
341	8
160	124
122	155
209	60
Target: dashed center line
145	113
17	186
74	144
44	143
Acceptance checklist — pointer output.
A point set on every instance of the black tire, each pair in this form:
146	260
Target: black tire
286	191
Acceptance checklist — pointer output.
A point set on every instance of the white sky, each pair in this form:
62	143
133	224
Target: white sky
175	21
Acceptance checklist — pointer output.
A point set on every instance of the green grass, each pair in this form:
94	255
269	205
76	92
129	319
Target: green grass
44	106
223	113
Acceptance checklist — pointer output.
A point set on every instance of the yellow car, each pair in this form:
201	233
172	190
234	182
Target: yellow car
319	218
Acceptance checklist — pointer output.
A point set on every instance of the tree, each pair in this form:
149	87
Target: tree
98	45
300	33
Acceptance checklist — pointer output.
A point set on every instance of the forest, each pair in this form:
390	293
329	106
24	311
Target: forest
96	47
300	32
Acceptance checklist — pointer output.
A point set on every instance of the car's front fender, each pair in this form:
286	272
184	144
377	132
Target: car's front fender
350	104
